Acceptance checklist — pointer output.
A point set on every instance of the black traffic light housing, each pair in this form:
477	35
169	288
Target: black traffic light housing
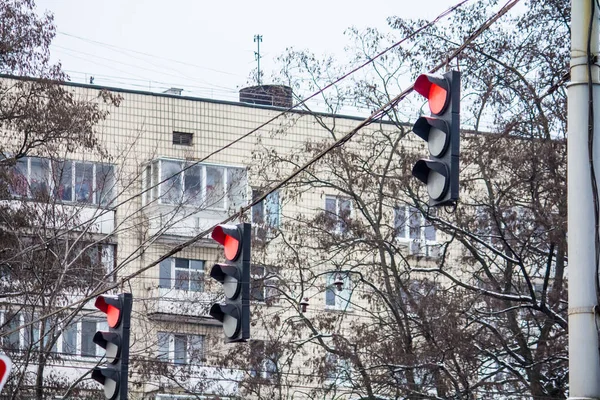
441	131
234	274
113	376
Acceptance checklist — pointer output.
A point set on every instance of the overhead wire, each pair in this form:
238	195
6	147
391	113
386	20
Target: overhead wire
177	75
285	112
147	54
165	85
373	117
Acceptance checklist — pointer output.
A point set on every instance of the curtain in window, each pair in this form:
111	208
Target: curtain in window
40	171
192	182
84	182
215	189
171	188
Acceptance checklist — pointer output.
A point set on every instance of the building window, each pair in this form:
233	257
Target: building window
12	341
266	212
336	299
31	332
338	211
182	274
50	335
182	138
263	359
180	348
69	339
265	215
263	284
89	263
77	338
411	226
30	178
192	184
88	330
28	336
71	181
337	369
83	182
74	339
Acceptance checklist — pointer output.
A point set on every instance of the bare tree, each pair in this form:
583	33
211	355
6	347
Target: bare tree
464	303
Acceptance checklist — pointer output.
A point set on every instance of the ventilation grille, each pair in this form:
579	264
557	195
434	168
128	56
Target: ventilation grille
182	138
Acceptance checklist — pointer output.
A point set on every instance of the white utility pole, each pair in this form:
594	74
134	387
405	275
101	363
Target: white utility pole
584	359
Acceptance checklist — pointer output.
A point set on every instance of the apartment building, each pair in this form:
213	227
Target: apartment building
173	167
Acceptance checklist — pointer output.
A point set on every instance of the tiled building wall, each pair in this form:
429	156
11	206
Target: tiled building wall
140	130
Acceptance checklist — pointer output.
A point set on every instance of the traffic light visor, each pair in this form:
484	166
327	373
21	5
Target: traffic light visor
229	276
229	236
110	379
111	342
435	132
109	306
435	90
229	315
435	175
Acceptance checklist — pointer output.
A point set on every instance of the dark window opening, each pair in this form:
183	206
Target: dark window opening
182	138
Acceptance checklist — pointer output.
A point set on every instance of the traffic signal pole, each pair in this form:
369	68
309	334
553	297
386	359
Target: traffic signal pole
584	358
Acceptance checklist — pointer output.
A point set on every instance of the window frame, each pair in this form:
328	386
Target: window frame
264	281
340	369
268	360
173	269
404	232
341	302
75	329
181	138
53	180
267	213
191	343
152	176
336	217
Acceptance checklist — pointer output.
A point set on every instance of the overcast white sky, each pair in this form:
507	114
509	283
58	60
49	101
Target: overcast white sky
205	47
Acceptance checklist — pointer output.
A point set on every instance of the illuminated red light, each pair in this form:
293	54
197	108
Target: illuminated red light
113	314
436	95
229	242
231	247
437	98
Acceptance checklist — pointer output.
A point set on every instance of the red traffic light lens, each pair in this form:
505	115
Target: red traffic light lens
229	237
231	245
437	98
433	88
113	314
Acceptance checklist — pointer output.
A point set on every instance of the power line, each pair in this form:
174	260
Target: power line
373	117
166	85
147	54
284	112
178	75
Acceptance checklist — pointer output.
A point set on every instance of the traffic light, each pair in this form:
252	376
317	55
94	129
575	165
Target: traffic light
234	274
441	131
113	376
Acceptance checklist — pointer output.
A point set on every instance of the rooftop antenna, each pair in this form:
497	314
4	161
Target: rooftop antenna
257	40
